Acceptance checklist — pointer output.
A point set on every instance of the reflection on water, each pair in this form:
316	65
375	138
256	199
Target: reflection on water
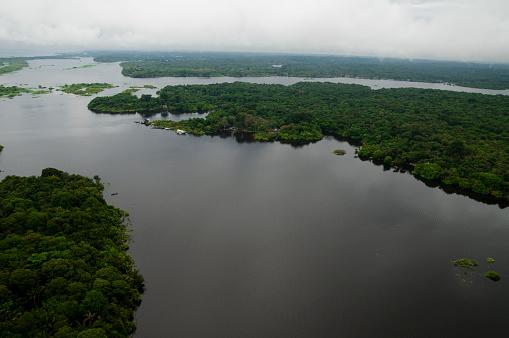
240	238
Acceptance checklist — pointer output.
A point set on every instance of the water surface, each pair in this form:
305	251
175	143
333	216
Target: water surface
265	239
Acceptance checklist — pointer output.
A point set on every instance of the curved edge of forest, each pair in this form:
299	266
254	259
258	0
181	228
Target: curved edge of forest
64	270
460	139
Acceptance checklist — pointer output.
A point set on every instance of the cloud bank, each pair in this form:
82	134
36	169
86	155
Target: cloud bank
436	29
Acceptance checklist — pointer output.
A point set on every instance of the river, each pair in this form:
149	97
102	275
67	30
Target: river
245	239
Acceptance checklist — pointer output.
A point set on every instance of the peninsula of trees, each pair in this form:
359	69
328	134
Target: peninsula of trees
8	65
461	139
64	271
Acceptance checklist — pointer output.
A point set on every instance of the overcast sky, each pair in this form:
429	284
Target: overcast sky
433	29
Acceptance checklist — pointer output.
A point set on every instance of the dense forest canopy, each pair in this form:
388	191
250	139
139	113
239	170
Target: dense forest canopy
186	64
459	138
64	271
125	103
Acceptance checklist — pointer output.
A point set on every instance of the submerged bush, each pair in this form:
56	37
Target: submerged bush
465	263
492	275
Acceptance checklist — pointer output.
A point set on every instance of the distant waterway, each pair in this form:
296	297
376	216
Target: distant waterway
110	73
248	239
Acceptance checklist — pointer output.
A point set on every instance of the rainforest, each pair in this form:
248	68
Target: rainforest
64	271
460	139
258	227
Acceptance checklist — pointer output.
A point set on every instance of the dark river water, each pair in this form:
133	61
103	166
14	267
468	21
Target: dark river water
239	239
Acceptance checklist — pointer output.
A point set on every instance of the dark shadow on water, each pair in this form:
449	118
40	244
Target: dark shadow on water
146	114
447	188
451	189
247	137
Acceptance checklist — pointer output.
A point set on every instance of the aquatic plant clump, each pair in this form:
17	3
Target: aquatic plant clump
85	89
340	152
465	263
494	276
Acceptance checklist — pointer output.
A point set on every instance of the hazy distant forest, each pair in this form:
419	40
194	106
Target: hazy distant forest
208	64
158	64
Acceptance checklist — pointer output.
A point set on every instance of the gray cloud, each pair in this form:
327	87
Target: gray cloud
444	29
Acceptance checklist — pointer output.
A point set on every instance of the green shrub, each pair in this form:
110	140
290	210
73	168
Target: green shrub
492	275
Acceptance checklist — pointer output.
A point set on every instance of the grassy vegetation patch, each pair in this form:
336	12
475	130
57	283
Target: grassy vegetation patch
145	86
85	89
468	267
492	275
13	91
78	67
465	263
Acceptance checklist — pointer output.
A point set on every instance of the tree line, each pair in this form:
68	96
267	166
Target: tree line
188	64
64	271
126	103
461	139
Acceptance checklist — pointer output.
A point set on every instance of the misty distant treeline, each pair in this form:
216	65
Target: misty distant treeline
8	65
145	64
12	64
194	64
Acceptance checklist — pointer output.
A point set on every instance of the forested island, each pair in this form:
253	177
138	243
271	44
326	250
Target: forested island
188	64
460	139
64	271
